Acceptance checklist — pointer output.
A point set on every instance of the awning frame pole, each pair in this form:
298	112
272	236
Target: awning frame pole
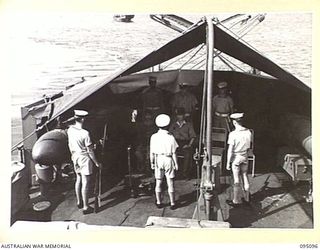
208	184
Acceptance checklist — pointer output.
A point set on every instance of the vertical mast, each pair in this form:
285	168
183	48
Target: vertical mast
207	183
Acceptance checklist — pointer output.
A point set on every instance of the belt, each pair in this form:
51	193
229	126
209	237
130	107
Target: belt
241	152
168	155
153	108
221	114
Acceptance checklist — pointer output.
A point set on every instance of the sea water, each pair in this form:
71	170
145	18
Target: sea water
50	51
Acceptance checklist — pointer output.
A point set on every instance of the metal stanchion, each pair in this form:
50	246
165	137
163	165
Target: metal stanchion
132	190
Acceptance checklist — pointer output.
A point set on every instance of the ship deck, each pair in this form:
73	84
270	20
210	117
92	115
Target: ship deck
276	203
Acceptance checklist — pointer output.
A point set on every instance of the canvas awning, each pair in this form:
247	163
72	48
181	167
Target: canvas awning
196	36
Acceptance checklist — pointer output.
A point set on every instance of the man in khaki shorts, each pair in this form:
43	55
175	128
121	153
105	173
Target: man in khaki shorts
239	142
163	159
83	157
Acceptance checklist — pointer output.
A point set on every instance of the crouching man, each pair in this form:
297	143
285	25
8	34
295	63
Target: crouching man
239	142
163	159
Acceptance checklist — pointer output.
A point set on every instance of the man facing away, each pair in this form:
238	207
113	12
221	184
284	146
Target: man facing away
239	142
163	159
222	105
83	158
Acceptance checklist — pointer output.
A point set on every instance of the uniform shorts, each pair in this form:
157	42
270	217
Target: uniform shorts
83	165
240	164
164	167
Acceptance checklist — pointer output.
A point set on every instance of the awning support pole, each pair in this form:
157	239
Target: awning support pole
208	184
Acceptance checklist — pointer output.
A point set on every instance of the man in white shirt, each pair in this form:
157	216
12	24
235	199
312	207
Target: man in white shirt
163	159
83	158
239	142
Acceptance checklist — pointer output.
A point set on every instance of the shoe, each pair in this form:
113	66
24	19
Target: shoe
89	210
173	207
232	204
246	203
159	205
80	205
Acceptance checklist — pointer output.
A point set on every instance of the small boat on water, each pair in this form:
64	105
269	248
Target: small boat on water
277	107
123	18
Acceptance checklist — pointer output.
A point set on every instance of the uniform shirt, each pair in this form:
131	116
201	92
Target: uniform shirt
152	97
78	140
183	131
222	105
241	140
186	100
162	142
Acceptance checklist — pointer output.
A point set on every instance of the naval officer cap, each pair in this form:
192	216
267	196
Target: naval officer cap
80	113
222	85
162	120
237	116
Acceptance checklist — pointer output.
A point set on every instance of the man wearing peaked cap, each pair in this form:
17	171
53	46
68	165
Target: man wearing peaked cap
80	113
163	159
239	142
83	158
222	85
222	107
152	98
237	116
186	100
162	120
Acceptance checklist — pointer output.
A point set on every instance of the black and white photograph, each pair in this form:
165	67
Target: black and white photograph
136	120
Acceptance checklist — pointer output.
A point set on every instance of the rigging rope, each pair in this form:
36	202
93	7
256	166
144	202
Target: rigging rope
197	58
225	62
240	37
192	56
179	58
229	61
15	147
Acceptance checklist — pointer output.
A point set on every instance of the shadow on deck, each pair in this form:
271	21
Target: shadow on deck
276	203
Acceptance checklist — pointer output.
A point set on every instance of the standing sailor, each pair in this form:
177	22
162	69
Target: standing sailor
152	98
237	158
222	105
184	99
163	159
83	158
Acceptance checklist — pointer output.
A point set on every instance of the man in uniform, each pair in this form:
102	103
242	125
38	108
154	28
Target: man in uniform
237	158
152	98
163	159
185	135
222	105
184	99
83	158
144	130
